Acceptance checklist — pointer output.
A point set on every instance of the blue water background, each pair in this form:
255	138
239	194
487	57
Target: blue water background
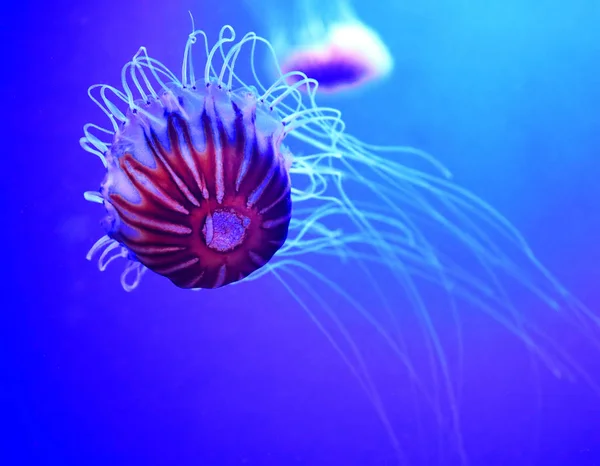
506	94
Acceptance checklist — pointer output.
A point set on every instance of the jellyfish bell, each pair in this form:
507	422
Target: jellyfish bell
221	176
348	56
197	187
326	41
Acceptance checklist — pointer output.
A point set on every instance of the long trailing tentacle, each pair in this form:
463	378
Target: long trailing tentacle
416	224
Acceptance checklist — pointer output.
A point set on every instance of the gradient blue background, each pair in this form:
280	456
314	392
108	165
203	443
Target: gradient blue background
507	94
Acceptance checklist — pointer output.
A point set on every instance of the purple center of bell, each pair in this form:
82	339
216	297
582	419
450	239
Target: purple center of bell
224	229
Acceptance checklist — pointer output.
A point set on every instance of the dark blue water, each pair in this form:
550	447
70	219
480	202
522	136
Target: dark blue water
507	94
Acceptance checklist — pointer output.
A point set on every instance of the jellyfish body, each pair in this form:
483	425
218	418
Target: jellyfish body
200	188
326	41
197	187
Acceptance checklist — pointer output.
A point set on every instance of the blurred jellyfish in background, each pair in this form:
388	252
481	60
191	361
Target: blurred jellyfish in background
325	40
216	175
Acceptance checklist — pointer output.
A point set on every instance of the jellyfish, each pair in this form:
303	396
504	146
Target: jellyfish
325	40
197	186
218	176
